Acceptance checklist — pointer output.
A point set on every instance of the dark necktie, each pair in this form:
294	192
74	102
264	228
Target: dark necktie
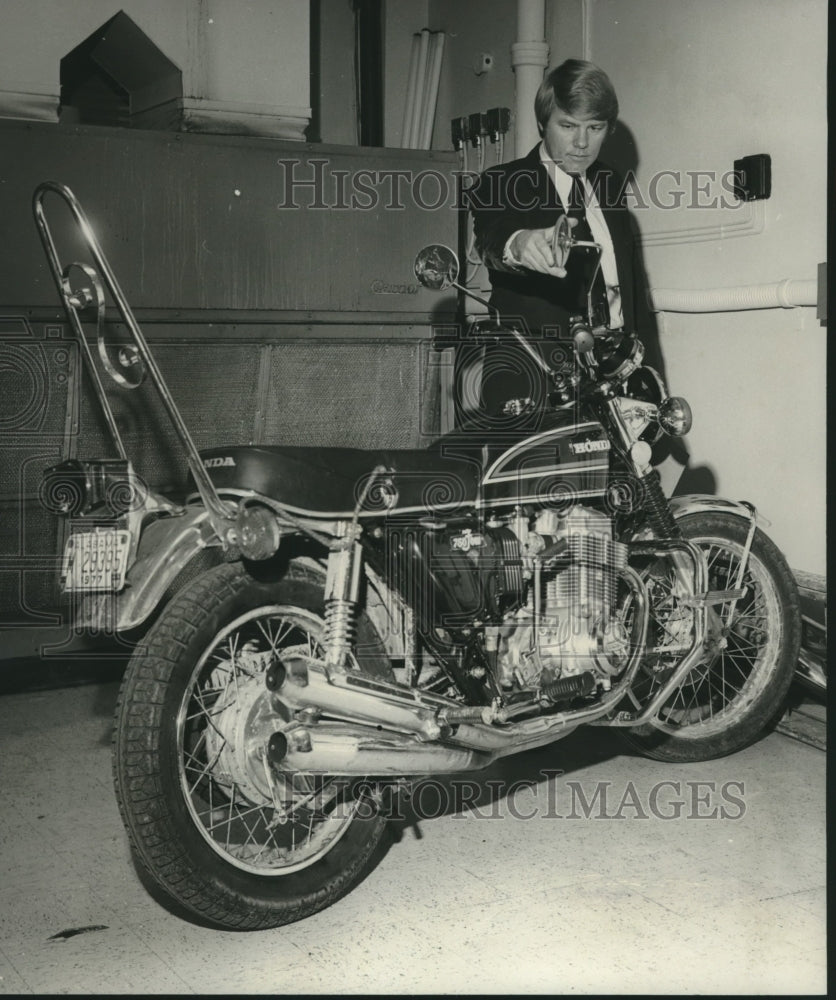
587	258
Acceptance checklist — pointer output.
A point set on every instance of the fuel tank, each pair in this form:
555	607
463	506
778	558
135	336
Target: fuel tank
559	464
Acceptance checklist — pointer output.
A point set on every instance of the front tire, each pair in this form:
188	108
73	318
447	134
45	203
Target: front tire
726	702
234	841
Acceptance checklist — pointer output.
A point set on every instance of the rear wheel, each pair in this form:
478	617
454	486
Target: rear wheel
237	842
725	702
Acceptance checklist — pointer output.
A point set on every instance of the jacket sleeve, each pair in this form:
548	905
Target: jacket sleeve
500	203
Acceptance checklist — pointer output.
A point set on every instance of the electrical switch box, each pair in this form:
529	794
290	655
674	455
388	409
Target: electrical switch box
753	177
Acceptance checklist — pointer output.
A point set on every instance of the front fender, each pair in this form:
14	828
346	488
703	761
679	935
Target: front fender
702	503
166	546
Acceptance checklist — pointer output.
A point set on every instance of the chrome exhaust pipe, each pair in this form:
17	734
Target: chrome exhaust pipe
346	750
304	683
378	727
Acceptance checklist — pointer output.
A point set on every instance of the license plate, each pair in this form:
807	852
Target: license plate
96	560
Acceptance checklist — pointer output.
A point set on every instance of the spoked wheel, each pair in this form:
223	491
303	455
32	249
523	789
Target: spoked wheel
723	703
225	833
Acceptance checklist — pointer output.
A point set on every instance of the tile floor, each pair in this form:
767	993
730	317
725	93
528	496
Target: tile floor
484	901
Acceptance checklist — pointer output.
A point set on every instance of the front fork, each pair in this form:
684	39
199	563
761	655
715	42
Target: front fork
710	629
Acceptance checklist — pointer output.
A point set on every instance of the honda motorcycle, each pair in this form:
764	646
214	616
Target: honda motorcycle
374	617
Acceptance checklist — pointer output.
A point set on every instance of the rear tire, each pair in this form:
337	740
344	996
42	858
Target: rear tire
201	812
727	702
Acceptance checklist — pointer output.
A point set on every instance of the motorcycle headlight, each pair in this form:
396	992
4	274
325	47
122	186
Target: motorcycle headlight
618	356
675	416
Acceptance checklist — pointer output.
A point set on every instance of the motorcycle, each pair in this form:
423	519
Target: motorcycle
374	617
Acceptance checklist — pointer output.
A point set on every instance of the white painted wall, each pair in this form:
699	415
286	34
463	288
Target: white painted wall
37	33
472	28
700	85
338	103
257	51
337	89
250	55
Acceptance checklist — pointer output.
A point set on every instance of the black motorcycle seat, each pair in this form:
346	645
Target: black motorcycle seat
331	481
443	477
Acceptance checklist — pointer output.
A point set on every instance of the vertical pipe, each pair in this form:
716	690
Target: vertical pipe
531	16
436	53
413	136
586	36
529	57
410	89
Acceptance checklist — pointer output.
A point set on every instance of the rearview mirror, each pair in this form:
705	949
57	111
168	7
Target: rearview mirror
436	267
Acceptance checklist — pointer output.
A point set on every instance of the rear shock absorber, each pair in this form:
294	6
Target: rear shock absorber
342	581
340	630
342	584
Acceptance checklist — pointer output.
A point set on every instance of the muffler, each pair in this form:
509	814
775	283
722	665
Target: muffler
351	724
318	719
310	690
346	749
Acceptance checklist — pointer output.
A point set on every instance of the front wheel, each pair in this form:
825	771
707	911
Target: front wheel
234	840
725	702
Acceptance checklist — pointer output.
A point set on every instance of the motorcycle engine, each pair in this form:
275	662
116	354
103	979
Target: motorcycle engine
567	624
544	584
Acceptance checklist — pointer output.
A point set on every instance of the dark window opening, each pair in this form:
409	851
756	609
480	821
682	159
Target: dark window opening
368	70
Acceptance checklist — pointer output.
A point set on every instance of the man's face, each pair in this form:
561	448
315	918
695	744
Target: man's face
574	142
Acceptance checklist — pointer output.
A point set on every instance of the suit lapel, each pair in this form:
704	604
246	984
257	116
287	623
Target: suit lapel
539	195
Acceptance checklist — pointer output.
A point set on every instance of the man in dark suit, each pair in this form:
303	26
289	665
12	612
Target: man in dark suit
515	207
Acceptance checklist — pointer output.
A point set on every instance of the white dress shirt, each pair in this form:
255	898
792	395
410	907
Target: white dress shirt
597	226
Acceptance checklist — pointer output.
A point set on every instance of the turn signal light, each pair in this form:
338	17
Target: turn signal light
75	488
258	532
675	416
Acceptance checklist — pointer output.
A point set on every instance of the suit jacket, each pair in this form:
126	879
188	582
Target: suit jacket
520	195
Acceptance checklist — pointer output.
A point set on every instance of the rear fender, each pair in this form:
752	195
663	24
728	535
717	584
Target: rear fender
166	547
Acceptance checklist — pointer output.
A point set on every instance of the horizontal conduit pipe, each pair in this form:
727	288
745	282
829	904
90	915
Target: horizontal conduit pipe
786	294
